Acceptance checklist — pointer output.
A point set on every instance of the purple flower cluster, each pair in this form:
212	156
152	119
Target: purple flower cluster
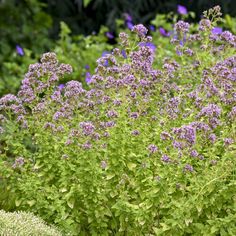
186	133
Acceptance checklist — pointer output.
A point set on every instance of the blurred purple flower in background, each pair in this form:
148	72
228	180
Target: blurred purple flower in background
110	35
129	24
182	10
216	30
61	86
19	50
128	17
87	67
87	77
163	32
128	21
152	27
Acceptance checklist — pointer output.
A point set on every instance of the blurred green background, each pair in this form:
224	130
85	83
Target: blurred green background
79	31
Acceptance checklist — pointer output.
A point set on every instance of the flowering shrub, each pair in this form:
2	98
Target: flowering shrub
149	148
24	224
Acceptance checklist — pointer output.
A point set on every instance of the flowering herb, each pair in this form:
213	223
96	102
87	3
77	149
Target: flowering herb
147	149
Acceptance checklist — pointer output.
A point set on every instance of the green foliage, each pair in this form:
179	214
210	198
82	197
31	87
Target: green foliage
24	224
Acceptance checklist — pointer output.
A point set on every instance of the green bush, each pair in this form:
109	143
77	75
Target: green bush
24	224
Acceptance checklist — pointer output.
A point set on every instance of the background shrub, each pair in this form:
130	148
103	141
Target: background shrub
24	224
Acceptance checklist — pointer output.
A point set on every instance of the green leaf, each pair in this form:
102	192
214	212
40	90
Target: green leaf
18	202
86	2
110	176
131	166
71	202
62	190
31	202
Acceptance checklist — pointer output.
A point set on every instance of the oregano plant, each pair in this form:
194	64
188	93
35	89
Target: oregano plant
146	150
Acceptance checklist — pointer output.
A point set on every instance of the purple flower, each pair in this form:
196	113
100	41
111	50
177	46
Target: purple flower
228	141
188	168
19	50
103	165
129	25
165	158
182	27
187	133
213	162
103	55
87	127
152	27
110	35
193	153
212	110
135	132
127	17
140	29
87	145
134	115
216	30
61	86
212	138
182	10
152	148
111	114
87	77
163	32
18	162
148	44
87	67
123	53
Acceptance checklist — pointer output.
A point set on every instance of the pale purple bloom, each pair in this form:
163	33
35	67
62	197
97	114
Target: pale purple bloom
228	141
152	148
148	44
140	29
134	115
182	26
212	138
204	25
165	158
111	114
87	145
135	132
182	10
19	162
188	168
103	165
193	153
210	111
213	162
19	50
87	127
